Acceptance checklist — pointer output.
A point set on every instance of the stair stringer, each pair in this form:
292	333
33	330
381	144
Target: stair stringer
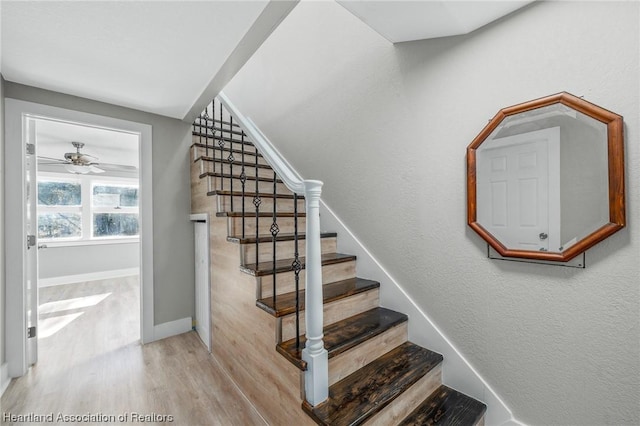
242	337
457	371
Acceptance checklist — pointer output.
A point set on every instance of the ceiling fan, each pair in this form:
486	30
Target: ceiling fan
81	163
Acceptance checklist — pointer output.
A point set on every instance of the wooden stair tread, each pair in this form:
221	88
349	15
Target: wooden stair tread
286	302
260	214
267	238
285	265
228	193
215	120
446	407
234	176
346	334
226	149
217	129
226	139
357	397
236	162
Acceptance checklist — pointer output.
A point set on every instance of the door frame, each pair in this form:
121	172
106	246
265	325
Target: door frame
16	112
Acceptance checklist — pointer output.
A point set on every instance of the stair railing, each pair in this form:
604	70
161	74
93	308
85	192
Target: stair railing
314	353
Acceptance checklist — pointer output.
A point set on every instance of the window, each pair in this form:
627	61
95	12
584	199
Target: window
59	209
115	210
87	208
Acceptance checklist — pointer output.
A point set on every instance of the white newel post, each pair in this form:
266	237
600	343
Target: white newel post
316	381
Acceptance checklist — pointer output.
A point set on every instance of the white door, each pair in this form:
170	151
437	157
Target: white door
31	225
203	315
519	177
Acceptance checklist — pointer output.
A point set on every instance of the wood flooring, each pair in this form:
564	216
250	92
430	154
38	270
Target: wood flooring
92	363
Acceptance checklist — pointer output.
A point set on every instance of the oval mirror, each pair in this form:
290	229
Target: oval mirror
545	178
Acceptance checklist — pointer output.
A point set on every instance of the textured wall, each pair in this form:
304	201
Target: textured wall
2	278
172	231
386	127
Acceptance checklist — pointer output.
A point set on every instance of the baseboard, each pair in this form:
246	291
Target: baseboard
4	377
457	371
92	276
172	328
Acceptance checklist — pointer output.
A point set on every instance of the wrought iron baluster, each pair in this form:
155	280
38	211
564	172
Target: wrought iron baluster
274	233
256	202
206	145
213	133
297	267
243	181
231	159
221	145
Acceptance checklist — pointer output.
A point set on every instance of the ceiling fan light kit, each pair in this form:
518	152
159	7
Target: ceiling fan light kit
78	162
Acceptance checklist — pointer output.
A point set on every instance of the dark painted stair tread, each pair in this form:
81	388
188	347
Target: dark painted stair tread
286	302
236	141
285	265
237	177
226	149
260	214
198	129
214	120
446	407
357	397
237	162
267	238
249	205
346	334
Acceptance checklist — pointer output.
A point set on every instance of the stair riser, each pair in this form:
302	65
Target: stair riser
285	224
284	250
285	282
220	183
236	169
348	362
408	400
334	312
248	149
282	204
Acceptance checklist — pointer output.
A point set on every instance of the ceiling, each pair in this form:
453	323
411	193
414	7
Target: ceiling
54	139
400	21
172	57
154	56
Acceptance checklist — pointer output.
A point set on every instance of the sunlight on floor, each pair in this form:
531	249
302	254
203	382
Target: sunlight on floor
75	303
52	324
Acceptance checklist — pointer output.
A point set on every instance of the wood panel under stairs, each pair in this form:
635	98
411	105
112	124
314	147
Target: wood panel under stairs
376	375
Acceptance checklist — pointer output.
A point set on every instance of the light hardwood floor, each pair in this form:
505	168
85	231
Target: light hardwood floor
91	362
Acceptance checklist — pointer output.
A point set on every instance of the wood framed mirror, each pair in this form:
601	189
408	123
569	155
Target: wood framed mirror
545	178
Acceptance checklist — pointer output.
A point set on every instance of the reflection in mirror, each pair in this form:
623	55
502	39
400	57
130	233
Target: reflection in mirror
540	177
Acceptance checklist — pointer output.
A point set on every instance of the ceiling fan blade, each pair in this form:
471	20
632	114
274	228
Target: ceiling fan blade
94	169
57	160
118	167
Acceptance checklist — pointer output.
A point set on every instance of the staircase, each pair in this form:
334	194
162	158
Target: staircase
375	375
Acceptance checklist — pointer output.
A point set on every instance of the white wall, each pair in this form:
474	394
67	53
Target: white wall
2	276
386	128
55	262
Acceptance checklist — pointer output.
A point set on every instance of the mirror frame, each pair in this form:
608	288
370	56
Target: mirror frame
615	143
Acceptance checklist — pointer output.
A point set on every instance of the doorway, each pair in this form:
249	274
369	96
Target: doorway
21	305
88	236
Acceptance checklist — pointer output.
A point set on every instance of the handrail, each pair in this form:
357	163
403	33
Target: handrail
289	176
314	353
